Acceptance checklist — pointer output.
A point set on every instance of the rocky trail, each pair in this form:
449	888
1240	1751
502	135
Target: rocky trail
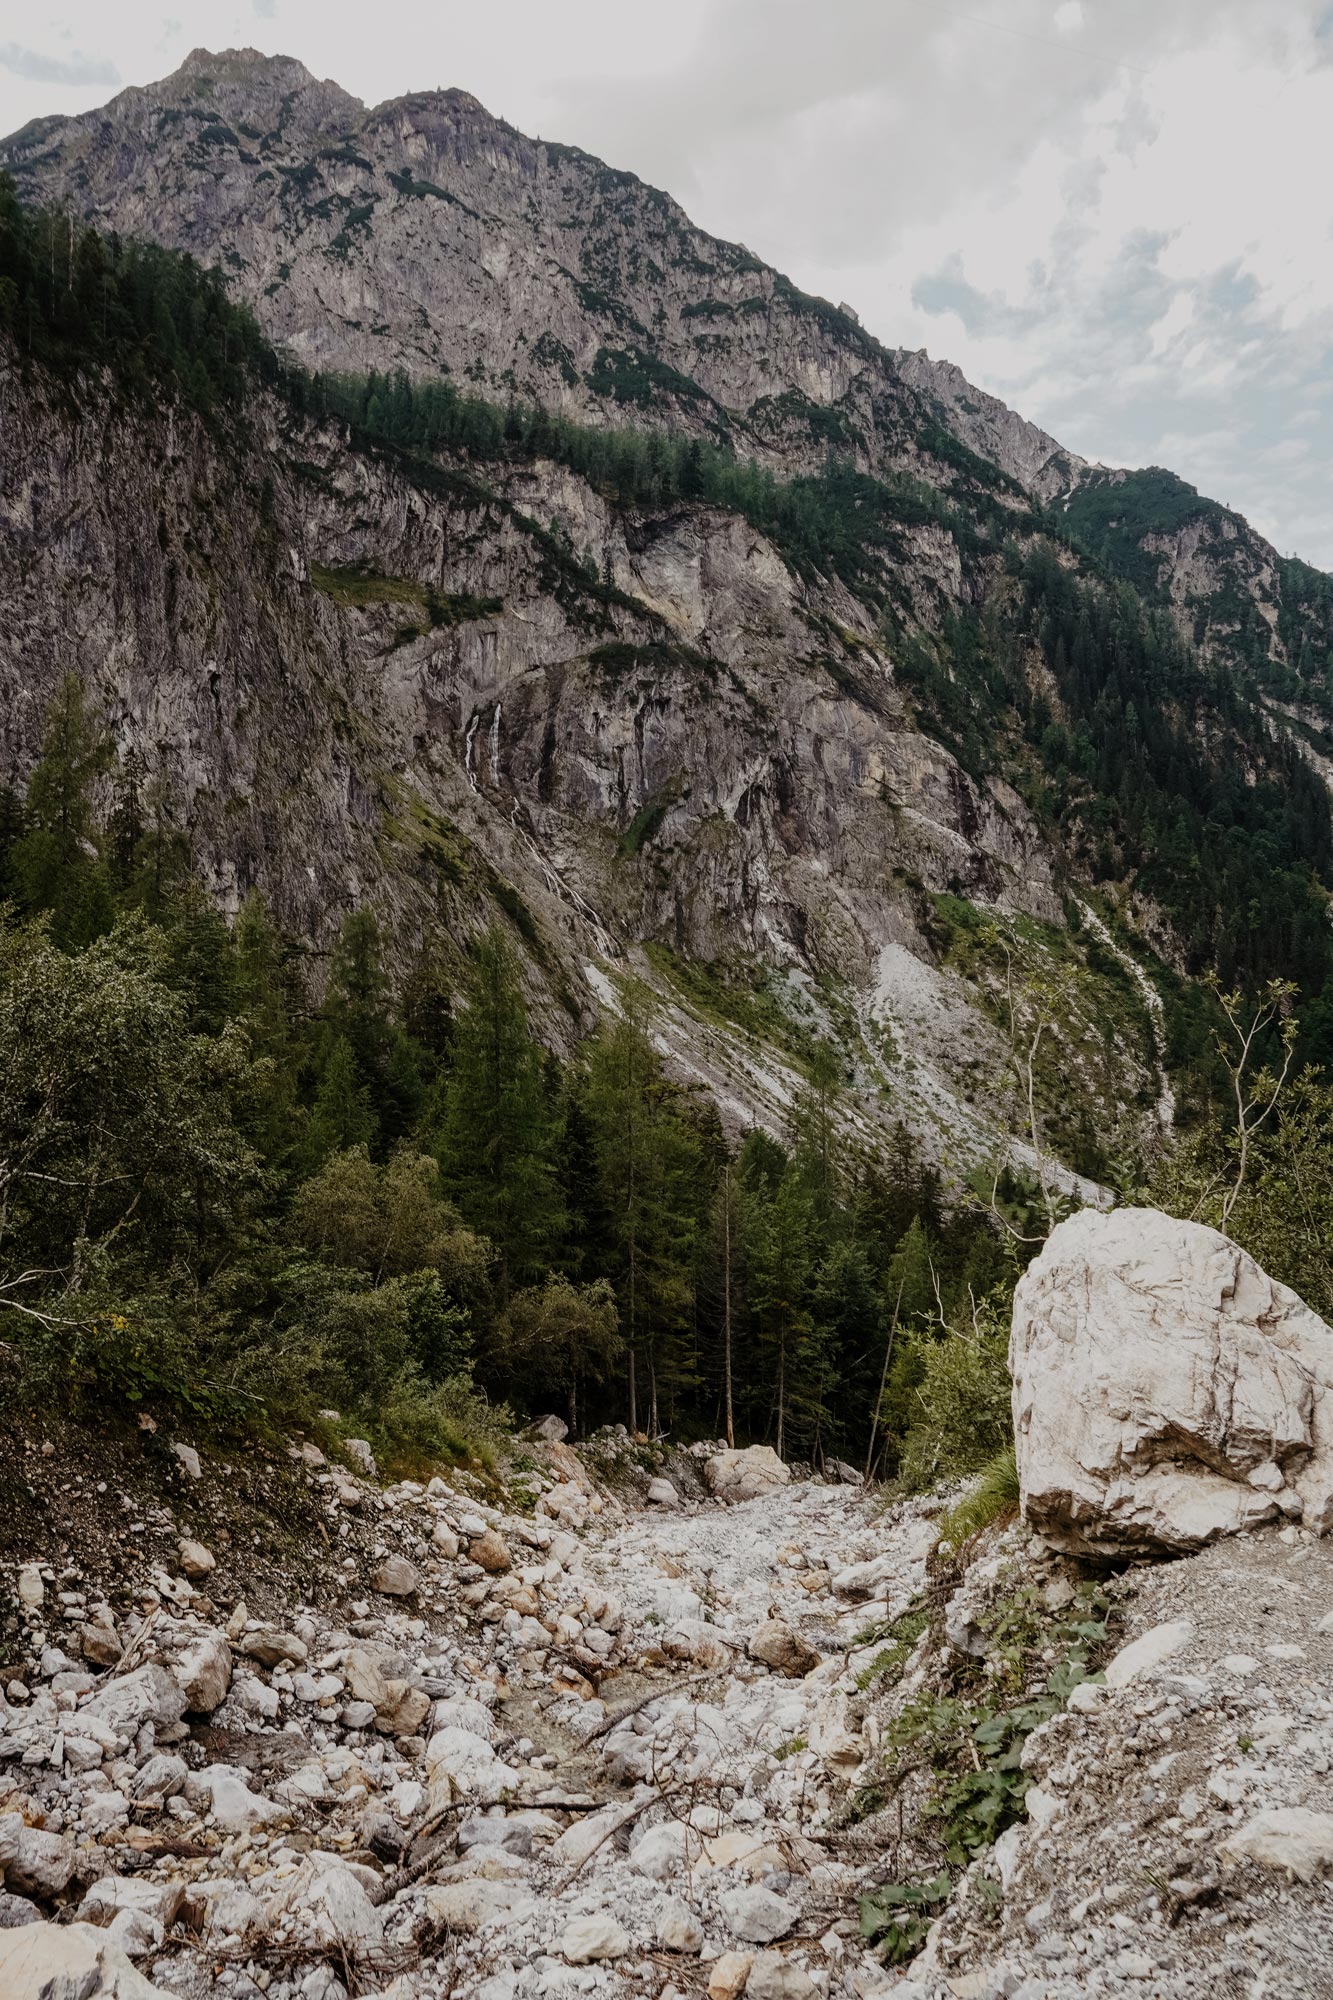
593	1748
662	1723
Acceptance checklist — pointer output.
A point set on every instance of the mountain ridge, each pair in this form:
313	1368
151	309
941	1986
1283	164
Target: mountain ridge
808	692
425	232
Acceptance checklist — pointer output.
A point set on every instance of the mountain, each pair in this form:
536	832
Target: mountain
705	637
424	233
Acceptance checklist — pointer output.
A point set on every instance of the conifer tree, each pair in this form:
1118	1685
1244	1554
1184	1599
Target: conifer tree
496	1136
56	863
342	1115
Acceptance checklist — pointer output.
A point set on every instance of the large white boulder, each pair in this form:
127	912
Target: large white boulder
52	1961
745	1475
1166	1390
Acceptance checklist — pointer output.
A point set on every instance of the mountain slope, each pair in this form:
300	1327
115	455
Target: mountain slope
809	743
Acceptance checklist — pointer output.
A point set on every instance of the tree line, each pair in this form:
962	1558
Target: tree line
225	1190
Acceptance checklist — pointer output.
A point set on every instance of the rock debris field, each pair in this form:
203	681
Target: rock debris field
590	1749
608	1745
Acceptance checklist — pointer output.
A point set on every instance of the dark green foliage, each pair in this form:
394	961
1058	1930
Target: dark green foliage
496	1138
71	298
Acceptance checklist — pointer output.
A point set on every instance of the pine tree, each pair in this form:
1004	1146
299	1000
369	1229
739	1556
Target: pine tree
342	1115
56	863
649	1169
497	1135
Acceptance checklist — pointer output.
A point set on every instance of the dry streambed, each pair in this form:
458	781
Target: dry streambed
594	1748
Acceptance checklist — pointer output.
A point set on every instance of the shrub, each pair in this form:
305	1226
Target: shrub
963	1398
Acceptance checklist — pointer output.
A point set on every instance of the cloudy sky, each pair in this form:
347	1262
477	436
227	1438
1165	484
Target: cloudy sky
1115	214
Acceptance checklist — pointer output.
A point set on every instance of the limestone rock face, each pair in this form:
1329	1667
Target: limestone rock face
1166	1390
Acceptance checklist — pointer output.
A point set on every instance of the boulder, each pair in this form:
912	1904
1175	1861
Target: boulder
203	1672
550	1430
1166	1390
149	1694
745	1475
775	1645
68	1962
661	1493
33	1861
395	1577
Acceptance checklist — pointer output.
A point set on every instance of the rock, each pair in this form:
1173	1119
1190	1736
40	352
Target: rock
395	1577
99	1641
776	1645
1148	1651
756	1915
68	1962
144	1894
550	1430
1155	1368
203	1672
745	1475
445	1540
678	1929
726	1980
479	1906
16	1910
1292	1839
31	1589
589	1939
149	1694
159	1779
358	1450
491	1553
773	1977
35	1862
196	1561
221	1789
661	1493
271	1647
189	1460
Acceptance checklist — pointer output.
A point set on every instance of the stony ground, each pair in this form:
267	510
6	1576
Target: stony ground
591	1748
607	1745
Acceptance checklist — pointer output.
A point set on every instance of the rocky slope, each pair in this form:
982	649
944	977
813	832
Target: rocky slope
352	676
426	233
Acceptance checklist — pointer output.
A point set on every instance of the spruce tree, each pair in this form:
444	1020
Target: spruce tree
342	1115
496	1135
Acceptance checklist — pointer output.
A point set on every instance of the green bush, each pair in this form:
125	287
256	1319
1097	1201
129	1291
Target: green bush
963	1398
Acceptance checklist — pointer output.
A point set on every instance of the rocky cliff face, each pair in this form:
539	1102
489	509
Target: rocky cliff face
349	679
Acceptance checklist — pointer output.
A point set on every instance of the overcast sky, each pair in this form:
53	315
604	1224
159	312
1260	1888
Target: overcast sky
1115	214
